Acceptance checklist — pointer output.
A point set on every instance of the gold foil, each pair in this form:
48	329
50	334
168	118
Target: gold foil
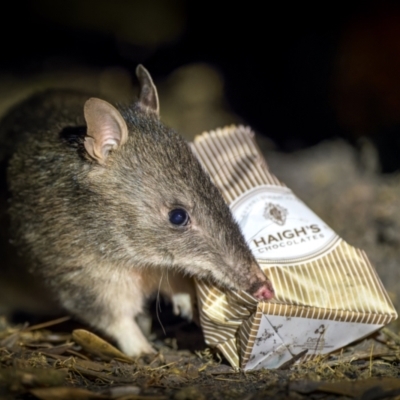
335	287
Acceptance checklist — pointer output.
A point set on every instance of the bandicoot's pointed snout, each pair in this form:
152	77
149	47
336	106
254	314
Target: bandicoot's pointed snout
261	287
265	291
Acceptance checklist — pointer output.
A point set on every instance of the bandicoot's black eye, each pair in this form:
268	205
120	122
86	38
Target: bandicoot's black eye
179	217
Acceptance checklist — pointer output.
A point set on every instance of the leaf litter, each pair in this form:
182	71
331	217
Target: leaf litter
39	363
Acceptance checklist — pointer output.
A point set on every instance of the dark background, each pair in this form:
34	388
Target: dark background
296	73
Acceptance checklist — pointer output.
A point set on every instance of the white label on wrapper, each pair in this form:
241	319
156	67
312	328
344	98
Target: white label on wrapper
280	338
280	227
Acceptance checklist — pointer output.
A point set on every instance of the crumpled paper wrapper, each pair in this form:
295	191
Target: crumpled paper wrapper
327	292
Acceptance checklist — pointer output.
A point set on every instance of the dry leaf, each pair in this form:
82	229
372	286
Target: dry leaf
59	349
66	393
220	369
123	391
97	346
18	378
348	388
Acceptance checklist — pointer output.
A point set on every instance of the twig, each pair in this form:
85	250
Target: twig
47	324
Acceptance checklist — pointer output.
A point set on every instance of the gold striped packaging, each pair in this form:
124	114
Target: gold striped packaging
327	294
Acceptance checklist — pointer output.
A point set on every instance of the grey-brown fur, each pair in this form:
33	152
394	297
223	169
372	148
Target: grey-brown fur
97	229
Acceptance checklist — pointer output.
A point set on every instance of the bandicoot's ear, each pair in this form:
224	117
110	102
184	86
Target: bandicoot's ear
106	129
148	97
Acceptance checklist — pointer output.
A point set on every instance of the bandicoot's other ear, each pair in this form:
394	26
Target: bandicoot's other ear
106	129
148	97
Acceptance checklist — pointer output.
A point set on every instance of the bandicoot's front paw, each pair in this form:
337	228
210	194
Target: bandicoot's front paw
182	305
135	349
130	338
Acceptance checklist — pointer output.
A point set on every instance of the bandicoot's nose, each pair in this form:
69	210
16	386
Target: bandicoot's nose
260	286
265	291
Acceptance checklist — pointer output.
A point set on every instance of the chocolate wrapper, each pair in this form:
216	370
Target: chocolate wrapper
327	292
